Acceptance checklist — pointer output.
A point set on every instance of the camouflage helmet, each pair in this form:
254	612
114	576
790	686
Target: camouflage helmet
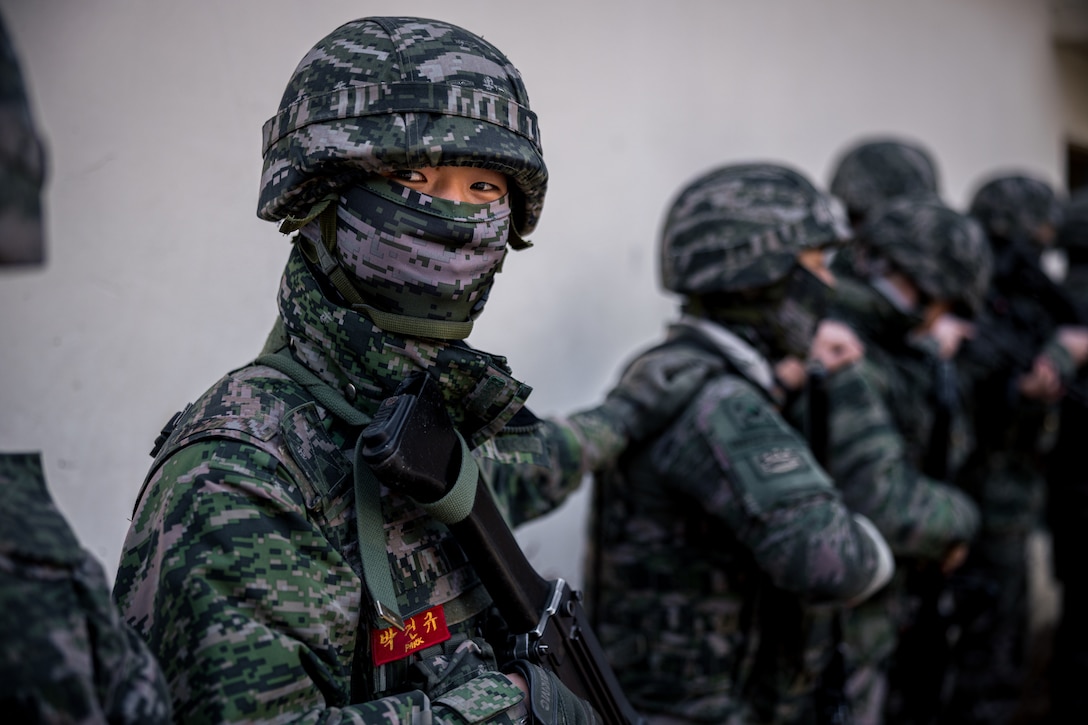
385	93
22	166
877	170
1073	231
741	227
1015	206
945	253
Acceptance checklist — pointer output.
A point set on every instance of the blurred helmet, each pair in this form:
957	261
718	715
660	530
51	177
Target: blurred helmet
1015	206
945	253
22	167
1073	231
875	171
385	93
741	227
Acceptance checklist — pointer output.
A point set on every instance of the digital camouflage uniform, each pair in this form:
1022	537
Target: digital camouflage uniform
65	654
1004	472
244	565
884	414
721	546
877	170
1067	490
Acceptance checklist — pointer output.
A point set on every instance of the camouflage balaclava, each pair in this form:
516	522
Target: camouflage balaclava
943	252
730	245
416	256
22	167
381	94
875	171
1017	208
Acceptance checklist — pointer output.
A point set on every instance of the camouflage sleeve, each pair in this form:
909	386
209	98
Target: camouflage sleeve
736	456
918	516
252	612
535	464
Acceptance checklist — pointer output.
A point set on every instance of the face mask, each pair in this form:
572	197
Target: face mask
805	300
900	317
782	320
416	255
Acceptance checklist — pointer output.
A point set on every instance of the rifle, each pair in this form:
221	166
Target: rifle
412	445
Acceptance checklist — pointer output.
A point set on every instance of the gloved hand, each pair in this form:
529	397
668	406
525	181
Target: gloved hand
656	386
550	701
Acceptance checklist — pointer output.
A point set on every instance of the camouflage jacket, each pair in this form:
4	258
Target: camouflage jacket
711	540
882	412
67	656
242	566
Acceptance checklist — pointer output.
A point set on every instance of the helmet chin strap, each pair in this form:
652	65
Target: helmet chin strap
322	255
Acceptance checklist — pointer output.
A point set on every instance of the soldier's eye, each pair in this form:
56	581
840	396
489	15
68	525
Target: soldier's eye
408	176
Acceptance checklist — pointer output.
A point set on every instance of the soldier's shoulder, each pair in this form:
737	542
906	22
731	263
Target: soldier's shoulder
31	525
248	403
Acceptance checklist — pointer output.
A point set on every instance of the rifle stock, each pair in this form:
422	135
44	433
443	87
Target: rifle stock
548	624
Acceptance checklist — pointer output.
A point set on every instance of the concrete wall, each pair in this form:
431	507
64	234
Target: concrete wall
160	277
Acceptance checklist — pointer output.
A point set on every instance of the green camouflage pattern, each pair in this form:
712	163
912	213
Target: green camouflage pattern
877	170
881	415
1015	206
945	253
740	227
248	513
413	254
708	536
22	166
384	93
66	657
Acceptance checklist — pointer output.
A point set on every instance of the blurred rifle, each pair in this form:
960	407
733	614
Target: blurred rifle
1006	343
924	652
832	705
411	445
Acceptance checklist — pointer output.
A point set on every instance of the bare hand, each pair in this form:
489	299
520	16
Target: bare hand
1074	338
1042	382
791	373
835	345
954	558
950	331
518	681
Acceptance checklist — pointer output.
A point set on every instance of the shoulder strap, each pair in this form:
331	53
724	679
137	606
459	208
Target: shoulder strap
327	396
368	519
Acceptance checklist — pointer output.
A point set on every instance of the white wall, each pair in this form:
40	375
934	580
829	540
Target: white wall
160	276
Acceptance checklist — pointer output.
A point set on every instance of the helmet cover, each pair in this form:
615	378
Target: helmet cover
945	253
741	227
875	171
385	93
1015	206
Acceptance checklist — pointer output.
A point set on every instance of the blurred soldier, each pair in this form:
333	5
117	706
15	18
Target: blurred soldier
918	271
65	654
1027	347
712	540
272	575
875	170
1067	491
